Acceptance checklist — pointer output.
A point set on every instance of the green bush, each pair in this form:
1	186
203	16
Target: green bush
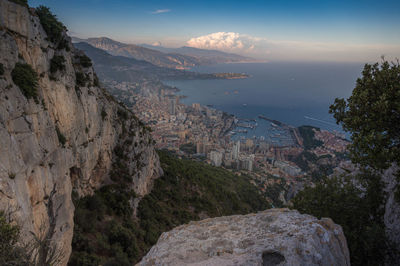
359	212
53	28
61	137
1	69
103	114
84	61
63	45
57	63
96	81
122	114
307	134
10	252
81	79
26	79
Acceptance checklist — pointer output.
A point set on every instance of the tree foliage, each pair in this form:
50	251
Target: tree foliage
308	135
372	116
26	79
57	63
51	25
359	212
10	253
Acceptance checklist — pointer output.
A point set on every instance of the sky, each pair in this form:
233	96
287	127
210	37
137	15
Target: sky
287	30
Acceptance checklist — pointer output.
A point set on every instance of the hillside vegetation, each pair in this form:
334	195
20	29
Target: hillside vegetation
105	231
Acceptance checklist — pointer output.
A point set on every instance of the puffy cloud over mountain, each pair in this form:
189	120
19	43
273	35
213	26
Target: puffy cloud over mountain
226	41
292	50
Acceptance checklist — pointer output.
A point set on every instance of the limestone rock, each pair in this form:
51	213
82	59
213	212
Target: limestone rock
37	172
392	213
272	237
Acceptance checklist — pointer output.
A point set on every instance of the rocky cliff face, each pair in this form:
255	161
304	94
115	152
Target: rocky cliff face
272	237
69	139
392	212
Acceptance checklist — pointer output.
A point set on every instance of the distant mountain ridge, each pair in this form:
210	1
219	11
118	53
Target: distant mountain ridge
122	68
178	58
205	55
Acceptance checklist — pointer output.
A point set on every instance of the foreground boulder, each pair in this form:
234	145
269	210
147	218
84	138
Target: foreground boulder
272	237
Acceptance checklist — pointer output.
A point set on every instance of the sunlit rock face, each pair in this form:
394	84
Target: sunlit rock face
272	237
37	171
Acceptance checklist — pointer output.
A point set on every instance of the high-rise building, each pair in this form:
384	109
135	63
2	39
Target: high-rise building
236	150
216	158
172	105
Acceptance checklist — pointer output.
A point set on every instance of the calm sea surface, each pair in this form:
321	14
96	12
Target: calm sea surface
294	93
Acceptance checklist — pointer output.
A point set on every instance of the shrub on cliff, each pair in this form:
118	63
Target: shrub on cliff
51	25
84	61
57	63
10	252
26	79
1	69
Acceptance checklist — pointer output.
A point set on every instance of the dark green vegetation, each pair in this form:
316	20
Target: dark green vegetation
360	214
307	134
371	115
189	148
81	79
10	252
1	69
21	2
61	137
53	28
105	232
26	79
57	63
84	60
36	252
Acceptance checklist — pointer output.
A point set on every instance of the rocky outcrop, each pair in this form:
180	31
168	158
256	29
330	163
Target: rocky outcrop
63	141
272	237
392	213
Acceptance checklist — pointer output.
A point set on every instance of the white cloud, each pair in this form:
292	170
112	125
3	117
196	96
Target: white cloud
226	41
292	50
160	11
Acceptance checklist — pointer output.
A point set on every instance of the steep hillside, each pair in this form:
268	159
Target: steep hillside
60	133
105	232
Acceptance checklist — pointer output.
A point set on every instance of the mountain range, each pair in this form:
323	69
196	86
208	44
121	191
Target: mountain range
178	58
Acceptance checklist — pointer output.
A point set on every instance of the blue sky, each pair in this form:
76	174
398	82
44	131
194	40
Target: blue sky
316	30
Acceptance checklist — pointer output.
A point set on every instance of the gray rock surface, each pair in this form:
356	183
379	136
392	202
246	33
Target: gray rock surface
272	237
37	172
392	212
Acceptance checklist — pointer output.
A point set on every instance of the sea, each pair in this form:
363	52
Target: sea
295	93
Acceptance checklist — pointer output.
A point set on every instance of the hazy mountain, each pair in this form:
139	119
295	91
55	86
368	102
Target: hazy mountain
178	58
121	68
205	56
171	60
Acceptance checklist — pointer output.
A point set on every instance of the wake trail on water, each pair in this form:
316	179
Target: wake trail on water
319	120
